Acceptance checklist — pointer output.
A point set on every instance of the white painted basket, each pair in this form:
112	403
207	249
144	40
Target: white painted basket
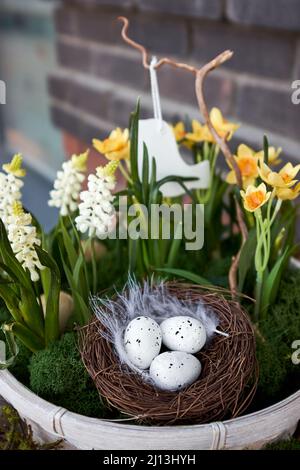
50	422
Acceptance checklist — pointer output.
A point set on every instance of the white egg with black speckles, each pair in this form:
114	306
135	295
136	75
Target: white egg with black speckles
174	370
142	341
183	333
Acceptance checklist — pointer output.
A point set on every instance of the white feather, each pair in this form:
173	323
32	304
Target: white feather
148	300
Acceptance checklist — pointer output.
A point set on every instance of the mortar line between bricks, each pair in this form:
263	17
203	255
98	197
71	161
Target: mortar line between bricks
83	115
117	50
248	133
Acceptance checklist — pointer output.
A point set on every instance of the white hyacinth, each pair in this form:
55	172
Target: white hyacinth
96	211
68	183
10	186
23	238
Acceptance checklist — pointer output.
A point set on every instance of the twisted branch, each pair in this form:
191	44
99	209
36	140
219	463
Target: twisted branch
236	259
201	74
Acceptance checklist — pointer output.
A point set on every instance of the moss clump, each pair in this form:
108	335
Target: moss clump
278	375
57	374
15	434
20	367
290	444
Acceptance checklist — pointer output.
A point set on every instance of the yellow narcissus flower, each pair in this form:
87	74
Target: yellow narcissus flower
247	162
254	198
116	146
283	179
222	126
179	131
197	134
288	193
273	155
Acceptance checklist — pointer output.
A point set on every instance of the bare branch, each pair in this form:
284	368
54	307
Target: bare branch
201	74
199	85
236	258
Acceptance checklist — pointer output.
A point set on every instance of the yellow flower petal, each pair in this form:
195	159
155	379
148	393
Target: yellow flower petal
116	146
179	131
222	126
254	198
288	193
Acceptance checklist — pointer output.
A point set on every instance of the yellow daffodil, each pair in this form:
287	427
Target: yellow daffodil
179	131
288	193
197	134
273	155
222	126
255	197
283	179
247	162
116	146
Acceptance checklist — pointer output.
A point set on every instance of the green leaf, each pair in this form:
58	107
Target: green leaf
272	280
247	258
145	178
52	301
28	338
175	245
266	150
134	135
31	312
12	346
11	301
182	273
9	259
68	245
81	310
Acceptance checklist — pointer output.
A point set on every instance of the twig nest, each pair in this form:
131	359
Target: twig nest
66	307
228	377
183	333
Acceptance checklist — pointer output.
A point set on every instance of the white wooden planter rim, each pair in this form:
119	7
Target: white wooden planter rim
250	431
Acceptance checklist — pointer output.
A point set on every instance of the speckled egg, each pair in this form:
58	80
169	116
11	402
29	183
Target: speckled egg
174	370
142	341
183	333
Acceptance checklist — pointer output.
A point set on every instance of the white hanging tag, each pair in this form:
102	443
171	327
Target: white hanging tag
160	141
161	144
155	91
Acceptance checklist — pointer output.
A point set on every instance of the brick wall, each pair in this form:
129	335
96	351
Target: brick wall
100	77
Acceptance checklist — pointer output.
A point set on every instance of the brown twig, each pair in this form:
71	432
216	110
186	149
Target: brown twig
199	85
201	74
236	259
200	77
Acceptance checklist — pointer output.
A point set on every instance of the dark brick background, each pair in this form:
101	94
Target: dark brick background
100	77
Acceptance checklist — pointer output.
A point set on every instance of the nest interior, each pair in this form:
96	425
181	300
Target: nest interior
224	389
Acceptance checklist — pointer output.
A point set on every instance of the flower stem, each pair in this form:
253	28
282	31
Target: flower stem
94	266
258	294
125	174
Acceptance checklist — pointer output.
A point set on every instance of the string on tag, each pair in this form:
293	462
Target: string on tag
155	91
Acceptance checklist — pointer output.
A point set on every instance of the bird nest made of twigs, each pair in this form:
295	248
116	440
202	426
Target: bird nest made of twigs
224	389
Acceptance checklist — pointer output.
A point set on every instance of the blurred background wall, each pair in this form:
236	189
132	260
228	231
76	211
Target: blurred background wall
100	77
27	57
70	77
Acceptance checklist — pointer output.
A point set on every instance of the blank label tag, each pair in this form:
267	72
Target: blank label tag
160	141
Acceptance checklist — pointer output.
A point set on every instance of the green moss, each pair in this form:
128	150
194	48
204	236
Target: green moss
290	444
278	375
20	367
15	434
57	374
